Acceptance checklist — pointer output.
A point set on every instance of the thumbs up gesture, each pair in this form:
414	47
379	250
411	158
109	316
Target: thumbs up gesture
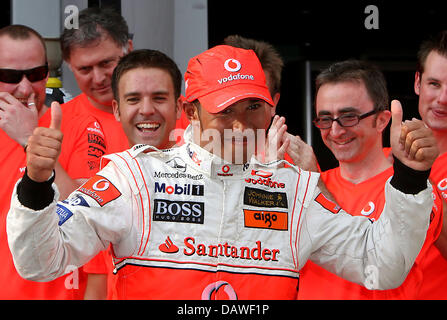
44	147
412	142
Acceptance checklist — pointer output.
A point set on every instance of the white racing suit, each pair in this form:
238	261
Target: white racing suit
184	225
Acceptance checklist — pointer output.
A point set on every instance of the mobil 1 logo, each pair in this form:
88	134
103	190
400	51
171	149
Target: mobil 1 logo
178	211
185	189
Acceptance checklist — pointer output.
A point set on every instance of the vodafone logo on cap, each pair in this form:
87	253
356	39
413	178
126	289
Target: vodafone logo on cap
232	65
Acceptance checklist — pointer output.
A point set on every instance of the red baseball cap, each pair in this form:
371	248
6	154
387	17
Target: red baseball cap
224	75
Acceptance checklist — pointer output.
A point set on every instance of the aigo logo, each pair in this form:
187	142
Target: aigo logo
274	220
232	65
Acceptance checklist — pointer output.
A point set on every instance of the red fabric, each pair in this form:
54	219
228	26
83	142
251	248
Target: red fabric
365	199
435	265
12	286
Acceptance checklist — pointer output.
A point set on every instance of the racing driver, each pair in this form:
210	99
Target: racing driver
191	223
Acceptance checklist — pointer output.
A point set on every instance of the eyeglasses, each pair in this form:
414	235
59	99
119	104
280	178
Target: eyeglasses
15	76
345	120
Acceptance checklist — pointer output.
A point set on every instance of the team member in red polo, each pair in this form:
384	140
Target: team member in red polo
23	75
354	93
431	86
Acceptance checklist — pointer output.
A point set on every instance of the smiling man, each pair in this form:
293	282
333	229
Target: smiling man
232	121
352	114
92	52
431	86
23	76
147	85
185	223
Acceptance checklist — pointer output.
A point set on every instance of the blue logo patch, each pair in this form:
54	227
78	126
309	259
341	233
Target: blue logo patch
63	213
76	200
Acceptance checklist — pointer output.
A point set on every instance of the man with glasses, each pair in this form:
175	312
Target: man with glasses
352	114
23	76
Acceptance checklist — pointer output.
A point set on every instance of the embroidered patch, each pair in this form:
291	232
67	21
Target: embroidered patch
63	213
266	219
100	189
327	204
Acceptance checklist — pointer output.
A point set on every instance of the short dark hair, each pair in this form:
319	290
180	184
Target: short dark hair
270	59
436	43
146	58
357	71
94	25
21	32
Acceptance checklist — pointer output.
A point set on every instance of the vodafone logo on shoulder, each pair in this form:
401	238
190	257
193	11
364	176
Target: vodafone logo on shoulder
100	189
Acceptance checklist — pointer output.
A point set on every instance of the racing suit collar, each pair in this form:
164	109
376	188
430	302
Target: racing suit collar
216	167
213	165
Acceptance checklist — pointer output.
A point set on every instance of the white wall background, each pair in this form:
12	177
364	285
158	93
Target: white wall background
178	28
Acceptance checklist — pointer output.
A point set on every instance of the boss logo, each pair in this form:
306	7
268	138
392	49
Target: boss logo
179	211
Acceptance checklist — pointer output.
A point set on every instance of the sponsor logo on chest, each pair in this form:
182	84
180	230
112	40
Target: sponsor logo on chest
179	189
178	211
256	251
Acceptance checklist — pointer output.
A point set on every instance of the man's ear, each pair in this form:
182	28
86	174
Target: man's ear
191	111
116	110
417	82
129	45
383	118
275	98
178	108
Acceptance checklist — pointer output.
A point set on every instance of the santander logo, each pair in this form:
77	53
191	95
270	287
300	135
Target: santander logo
168	246
232	65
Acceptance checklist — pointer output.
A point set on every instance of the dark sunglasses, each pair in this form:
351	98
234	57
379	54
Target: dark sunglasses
15	76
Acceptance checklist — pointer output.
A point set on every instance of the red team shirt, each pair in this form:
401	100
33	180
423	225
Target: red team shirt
79	108
434	265
365	199
89	133
12	286
104	135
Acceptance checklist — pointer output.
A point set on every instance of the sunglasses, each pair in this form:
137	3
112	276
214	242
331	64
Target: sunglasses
15	76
